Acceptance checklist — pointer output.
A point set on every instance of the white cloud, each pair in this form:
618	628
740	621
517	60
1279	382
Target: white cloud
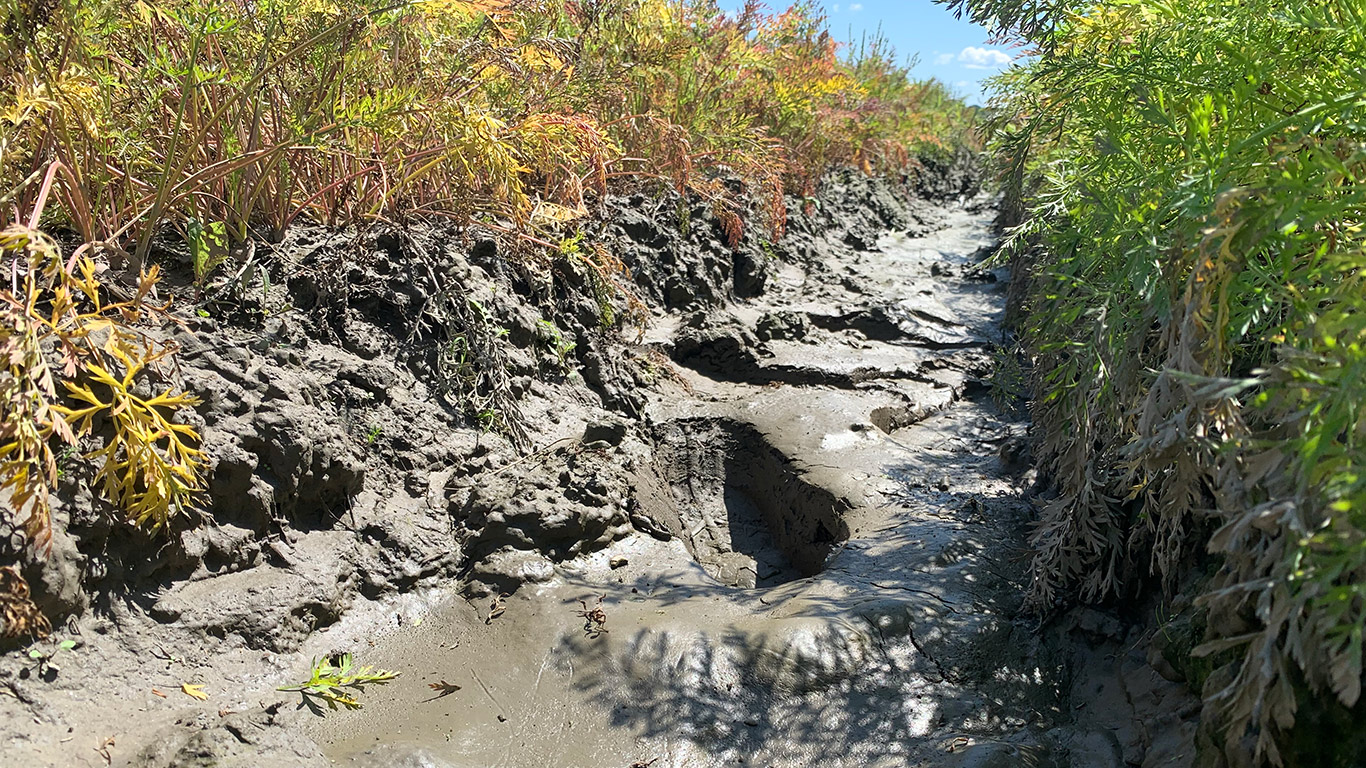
973	57
835	8
943	58
856	7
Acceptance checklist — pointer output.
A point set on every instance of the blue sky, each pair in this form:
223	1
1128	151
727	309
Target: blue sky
956	52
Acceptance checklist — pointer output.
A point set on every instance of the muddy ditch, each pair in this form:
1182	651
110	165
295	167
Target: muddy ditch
787	497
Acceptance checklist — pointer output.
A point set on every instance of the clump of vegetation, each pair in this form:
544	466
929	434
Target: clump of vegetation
1191	178
56	325
336	681
45	662
229	119
223	121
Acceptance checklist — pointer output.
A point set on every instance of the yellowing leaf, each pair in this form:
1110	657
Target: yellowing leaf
194	691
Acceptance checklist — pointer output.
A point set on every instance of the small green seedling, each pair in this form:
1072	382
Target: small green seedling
373	434
556	343
44	660
337	681
208	247
66	461
487	419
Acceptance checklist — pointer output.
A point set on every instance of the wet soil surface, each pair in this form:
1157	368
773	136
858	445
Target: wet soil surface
786	527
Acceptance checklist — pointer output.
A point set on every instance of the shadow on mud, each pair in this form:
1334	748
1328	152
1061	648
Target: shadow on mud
872	681
894	646
900	666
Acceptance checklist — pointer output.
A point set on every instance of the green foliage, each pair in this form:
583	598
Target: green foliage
1193	181
557	345
1036	21
338	681
45	661
1008	384
208	247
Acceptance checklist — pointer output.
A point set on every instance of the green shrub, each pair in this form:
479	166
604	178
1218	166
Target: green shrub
1192	175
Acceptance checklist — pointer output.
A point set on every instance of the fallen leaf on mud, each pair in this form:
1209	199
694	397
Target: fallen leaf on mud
194	691
496	608
958	743
103	750
443	688
156	692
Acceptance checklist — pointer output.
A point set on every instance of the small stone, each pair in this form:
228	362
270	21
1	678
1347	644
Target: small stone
944	483
617	562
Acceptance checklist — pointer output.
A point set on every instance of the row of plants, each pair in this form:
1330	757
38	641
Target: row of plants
221	123
1190	180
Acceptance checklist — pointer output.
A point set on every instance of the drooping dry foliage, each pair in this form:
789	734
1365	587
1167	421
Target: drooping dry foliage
1192	175
224	121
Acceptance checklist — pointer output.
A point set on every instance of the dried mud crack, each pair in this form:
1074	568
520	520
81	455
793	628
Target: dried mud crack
786	529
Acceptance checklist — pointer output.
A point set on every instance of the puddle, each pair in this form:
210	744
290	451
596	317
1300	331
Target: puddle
741	506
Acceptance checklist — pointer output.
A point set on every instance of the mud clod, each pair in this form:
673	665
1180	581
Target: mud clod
270	607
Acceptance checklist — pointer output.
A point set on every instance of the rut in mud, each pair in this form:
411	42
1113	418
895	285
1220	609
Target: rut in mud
800	513
742	510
